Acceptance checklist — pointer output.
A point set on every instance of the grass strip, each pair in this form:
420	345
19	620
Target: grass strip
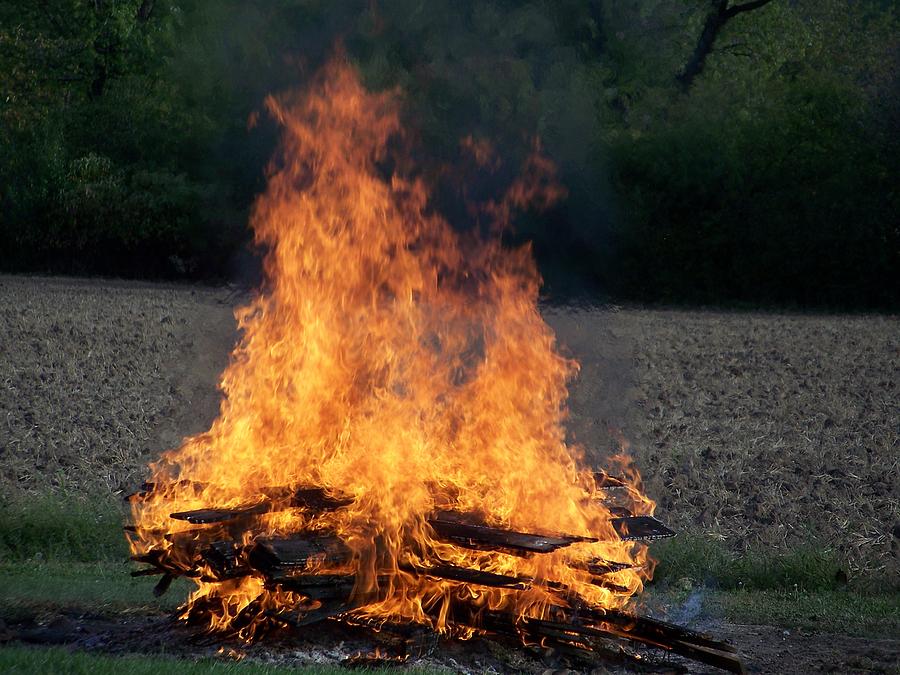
63	528
20	659
841	612
708	562
27	588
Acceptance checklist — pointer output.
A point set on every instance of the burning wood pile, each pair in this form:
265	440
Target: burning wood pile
390	450
305	579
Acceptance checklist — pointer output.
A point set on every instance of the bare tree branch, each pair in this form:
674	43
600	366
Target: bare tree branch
746	7
715	19
719	14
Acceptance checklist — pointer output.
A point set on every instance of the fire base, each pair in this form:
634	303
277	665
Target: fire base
213	552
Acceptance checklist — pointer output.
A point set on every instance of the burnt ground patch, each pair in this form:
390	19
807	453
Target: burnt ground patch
764	648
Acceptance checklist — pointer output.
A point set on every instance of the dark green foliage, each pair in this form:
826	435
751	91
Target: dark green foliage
771	179
776	187
101	159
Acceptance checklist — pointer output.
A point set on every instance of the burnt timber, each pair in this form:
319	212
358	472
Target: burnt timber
213	552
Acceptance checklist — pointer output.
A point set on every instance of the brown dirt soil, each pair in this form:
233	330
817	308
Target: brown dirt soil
751	428
98	377
773	430
755	429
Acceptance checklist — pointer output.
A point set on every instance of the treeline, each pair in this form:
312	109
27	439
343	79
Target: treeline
714	151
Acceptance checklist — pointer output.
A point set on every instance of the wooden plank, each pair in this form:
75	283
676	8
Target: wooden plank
327	587
274	499
318	499
606	482
277	556
163	585
584	644
600	567
189	542
469	576
248	614
464	530
655	628
642	630
634	528
452	527
165	562
321	610
299	617
609	585
149	488
213	515
225	560
332	590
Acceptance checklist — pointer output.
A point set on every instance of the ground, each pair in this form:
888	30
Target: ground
770	441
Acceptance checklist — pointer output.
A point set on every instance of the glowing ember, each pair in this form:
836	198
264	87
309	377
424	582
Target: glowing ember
402	367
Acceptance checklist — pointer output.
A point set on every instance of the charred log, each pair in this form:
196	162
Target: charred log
600	567
207	516
587	630
225	559
163	585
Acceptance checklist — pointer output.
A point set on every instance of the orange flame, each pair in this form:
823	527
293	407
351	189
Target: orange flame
397	361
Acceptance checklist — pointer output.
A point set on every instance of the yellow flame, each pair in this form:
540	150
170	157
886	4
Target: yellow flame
398	361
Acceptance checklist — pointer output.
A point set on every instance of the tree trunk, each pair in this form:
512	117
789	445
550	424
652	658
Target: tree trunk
711	27
98	84
145	10
719	14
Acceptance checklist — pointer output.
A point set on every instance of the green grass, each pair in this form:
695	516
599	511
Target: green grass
26	589
58	527
58	660
708	562
62	528
842	612
65	552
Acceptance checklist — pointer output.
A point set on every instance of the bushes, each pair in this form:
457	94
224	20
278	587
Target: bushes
102	155
787	202
95	217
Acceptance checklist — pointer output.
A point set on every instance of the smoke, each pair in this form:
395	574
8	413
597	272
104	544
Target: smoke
690	610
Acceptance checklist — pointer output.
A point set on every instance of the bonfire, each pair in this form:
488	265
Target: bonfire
390	449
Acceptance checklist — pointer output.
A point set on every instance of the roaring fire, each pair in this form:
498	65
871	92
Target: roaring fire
403	364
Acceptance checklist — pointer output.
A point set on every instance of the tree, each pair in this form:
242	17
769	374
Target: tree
76	47
719	14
